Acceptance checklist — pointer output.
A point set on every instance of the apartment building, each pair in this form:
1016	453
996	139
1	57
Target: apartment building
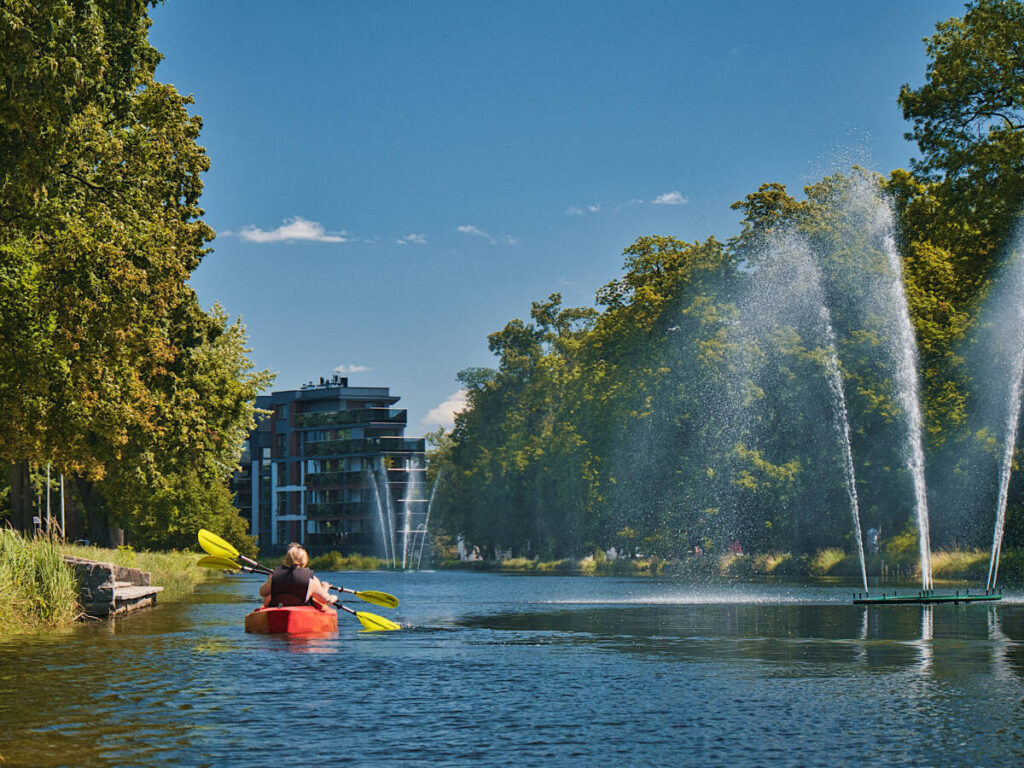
330	467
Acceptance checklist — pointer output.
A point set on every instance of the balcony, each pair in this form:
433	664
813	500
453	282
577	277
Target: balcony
350	417
402	476
365	445
337	509
321	479
339	539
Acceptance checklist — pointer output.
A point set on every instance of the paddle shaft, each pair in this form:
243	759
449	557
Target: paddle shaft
255	567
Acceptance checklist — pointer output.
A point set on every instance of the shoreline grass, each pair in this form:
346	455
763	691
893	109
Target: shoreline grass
335	561
37	590
947	565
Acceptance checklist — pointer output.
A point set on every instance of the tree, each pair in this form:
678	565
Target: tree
968	121
110	369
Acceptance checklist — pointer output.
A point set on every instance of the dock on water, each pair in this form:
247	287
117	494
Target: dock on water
926	597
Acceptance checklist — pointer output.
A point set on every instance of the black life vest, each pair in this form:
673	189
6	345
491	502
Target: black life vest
289	585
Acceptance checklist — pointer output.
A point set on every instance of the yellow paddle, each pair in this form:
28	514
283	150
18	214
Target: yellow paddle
370	621
218	563
217	547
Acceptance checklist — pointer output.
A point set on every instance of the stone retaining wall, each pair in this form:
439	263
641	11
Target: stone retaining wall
106	589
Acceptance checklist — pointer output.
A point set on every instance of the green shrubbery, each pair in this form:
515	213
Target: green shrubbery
962	564
335	561
898	556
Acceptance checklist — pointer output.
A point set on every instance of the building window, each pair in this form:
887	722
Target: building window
282	411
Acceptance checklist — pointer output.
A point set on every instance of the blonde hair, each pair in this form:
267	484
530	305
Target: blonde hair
296	555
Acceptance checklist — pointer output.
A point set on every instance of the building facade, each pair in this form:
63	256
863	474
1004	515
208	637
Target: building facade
330	467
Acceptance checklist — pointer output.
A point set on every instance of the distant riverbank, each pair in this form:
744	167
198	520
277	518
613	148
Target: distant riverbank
41	592
948	565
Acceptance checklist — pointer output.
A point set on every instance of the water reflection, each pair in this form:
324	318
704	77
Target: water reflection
814	639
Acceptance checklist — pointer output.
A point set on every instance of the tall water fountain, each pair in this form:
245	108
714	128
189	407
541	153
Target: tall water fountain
1005	318
999	368
403	523
848	256
842	423
865	256
383	516
786	294
907	386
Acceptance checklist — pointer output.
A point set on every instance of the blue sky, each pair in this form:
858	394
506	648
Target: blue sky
392	181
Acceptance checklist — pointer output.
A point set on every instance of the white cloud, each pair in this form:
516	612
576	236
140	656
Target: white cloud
674	197
293	229
343	369
444	414
413	239
575	210
475	231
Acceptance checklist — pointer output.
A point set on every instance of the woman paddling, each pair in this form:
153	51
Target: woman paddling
292	583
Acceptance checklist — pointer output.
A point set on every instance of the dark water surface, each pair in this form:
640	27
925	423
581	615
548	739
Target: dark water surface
527	670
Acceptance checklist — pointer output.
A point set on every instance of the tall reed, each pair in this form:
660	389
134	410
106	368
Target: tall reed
37	589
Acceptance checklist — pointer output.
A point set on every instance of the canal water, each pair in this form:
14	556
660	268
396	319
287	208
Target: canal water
528	670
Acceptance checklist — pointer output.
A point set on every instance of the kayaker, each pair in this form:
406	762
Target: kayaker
292	583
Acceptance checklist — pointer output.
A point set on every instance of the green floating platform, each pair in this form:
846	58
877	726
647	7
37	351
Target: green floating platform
926	597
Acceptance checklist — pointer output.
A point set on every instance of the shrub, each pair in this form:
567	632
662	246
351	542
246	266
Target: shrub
736	566
518	564
957	564
903	548
1011	567
772	563
335	561
826	560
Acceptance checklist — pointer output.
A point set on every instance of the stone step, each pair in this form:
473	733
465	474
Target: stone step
106	589
130	592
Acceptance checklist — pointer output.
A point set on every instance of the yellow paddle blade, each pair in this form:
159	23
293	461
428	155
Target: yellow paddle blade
374	623
218	563
215	545
378	598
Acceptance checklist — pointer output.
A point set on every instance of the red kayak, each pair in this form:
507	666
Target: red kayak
292	619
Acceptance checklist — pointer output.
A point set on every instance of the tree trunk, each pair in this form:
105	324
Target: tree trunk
102	532
21	497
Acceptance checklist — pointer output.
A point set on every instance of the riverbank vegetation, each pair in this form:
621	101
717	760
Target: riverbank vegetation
687	412
951	565
335	561
176	571
110	371
38	591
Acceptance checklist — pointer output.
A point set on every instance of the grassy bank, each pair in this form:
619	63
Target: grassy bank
37	590
947	565
335	561
175	571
